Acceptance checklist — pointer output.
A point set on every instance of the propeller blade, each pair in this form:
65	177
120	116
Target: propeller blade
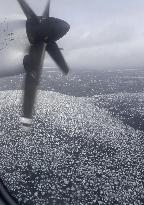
46	13
54	51
27	10
36	58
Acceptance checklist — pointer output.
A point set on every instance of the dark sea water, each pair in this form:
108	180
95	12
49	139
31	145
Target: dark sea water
86	145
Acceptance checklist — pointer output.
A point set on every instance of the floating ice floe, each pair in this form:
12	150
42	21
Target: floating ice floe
76	153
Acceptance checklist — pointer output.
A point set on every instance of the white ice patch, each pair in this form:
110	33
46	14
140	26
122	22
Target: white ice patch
76	153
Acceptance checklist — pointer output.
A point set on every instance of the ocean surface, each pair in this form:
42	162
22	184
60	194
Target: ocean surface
86	145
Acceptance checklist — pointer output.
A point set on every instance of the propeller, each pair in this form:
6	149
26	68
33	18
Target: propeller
46	13
42	32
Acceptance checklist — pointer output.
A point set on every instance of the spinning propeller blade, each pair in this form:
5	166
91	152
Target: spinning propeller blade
46	13
27	10
42	32
36	57
54	51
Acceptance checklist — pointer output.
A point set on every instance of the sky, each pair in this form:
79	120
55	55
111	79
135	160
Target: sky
104	33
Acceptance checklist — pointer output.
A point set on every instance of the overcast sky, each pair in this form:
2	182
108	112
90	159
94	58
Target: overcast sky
104	33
